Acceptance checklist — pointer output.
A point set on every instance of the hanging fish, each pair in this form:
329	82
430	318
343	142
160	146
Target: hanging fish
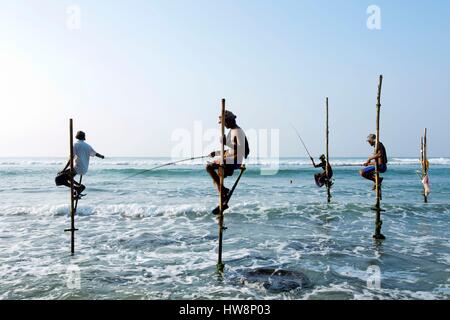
426	185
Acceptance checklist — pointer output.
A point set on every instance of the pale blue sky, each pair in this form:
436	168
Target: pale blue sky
138	70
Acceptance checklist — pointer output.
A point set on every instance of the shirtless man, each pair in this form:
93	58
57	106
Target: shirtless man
238	150
379	158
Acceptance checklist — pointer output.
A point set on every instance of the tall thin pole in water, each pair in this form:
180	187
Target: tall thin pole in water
422	160
421	153
424	163
220	264
327	154
378	222
72	200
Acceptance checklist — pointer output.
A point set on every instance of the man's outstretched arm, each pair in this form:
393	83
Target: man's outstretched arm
316	165
98	155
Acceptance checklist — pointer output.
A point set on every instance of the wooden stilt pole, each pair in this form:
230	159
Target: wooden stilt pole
72	200
421	153
424	163
378	222
220	264
327	133
422	159
76	201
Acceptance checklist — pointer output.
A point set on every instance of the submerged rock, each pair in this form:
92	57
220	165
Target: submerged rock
277	280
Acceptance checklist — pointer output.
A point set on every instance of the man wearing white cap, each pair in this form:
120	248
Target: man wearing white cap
238	150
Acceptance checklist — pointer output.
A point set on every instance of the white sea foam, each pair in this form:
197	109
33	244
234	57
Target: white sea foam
125	210
44	210
412	161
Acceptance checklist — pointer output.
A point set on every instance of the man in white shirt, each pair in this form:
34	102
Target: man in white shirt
82	153
238	150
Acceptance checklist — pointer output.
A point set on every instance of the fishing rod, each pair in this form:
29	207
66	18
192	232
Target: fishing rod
166	165
303	143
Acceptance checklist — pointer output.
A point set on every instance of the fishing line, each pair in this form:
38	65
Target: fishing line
166	165
303	143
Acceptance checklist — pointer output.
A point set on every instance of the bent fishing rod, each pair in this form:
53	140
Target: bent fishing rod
166	165
312	159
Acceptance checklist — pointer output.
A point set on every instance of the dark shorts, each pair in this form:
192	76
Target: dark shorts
63	177
371	169
229	168
321	178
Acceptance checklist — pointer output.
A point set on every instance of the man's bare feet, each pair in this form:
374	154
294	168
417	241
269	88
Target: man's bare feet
226	195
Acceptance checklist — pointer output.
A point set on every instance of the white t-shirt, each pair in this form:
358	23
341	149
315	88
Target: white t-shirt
235	135
82	153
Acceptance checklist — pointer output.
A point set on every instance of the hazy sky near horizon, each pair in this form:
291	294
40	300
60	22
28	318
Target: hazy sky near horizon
136	71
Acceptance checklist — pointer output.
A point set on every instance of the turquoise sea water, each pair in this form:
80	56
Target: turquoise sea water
153	237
